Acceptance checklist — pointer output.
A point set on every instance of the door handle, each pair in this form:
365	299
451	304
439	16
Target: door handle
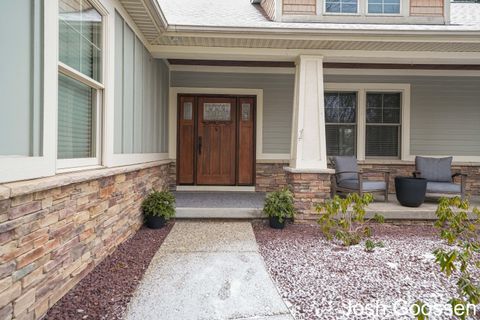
199	145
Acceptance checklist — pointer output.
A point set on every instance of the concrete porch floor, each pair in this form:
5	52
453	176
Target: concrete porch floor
249	205
392	210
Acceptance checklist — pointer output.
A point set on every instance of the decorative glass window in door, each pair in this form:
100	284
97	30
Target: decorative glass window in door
216	111
187	111
245	111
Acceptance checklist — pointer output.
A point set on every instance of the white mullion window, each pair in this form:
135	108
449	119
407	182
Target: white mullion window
391	7
80	87
368	120
383	124
341	7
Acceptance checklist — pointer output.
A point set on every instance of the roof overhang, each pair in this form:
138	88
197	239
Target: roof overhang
193	40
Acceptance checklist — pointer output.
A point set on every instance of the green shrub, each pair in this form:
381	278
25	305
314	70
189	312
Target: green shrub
279	204
462	233
158	204
344	219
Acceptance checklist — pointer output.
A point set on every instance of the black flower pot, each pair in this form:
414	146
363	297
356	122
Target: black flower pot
155	222
276	224
410	191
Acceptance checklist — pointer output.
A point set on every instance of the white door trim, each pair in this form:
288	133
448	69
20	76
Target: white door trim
172	114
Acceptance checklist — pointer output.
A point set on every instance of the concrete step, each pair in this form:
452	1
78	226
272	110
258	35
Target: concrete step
219	205
218	213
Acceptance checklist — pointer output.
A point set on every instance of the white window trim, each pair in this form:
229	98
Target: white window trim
81	163
362	89
172	135
14	168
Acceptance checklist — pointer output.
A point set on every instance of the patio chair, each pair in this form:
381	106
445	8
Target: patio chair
349	179
438	173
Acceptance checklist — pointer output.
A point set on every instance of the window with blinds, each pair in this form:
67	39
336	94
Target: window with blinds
79	83
76	115
341	123
383	124
80	26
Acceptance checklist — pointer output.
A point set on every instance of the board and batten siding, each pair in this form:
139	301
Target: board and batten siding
21	78
444	112
141	96
277	100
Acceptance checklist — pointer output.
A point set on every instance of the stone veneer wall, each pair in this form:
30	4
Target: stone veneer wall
50	239
270	177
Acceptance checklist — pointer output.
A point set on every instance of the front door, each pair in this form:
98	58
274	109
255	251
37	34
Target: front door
216	140
217	127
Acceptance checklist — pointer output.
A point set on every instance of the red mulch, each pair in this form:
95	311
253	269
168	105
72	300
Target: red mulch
106	291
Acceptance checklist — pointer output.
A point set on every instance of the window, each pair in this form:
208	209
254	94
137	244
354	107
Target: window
384	6
341	123
341	6
383	125
367	120
79	83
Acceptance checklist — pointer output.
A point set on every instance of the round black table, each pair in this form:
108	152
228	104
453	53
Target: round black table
410	191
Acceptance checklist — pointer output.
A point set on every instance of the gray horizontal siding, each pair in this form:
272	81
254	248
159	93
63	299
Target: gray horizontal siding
445	112
277	100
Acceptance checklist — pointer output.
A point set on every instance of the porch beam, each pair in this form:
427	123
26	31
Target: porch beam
333	56
308	127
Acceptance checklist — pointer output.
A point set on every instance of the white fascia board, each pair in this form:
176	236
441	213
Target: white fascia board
268	54
186	30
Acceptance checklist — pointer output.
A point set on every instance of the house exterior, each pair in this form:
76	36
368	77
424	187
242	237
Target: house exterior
103	100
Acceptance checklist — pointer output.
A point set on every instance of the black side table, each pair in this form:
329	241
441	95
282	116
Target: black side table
410	191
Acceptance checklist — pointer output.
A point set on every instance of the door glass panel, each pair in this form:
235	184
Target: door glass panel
245	111
187	111
216	111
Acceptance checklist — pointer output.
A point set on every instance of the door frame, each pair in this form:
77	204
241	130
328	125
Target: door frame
237	129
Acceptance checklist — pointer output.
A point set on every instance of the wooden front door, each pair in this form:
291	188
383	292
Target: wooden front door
216	140
217	126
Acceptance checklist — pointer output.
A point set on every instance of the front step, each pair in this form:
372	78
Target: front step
219	205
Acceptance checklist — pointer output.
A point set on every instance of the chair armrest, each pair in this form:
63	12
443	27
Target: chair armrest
459	174
375	171
342	172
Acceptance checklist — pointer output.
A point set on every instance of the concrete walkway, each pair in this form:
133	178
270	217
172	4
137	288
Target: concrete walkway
208	270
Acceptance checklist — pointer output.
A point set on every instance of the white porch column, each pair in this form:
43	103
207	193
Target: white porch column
308	151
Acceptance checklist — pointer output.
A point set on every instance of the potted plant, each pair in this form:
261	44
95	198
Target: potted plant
158	207
279	207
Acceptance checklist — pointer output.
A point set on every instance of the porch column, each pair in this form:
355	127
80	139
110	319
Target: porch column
307	175
308	150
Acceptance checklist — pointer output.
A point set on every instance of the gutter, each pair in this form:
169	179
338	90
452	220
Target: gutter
179	30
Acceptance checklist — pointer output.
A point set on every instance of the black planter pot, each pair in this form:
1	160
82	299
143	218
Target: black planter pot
410	191
154	222
276	224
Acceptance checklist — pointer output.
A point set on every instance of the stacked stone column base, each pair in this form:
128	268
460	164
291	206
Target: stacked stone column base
308	189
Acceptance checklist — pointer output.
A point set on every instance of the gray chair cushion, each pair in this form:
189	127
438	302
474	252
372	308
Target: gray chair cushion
434	169
367	185
443	187
345	163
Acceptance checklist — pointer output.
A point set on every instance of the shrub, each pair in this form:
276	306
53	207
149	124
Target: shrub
159	203
279	204
462	233
344	219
